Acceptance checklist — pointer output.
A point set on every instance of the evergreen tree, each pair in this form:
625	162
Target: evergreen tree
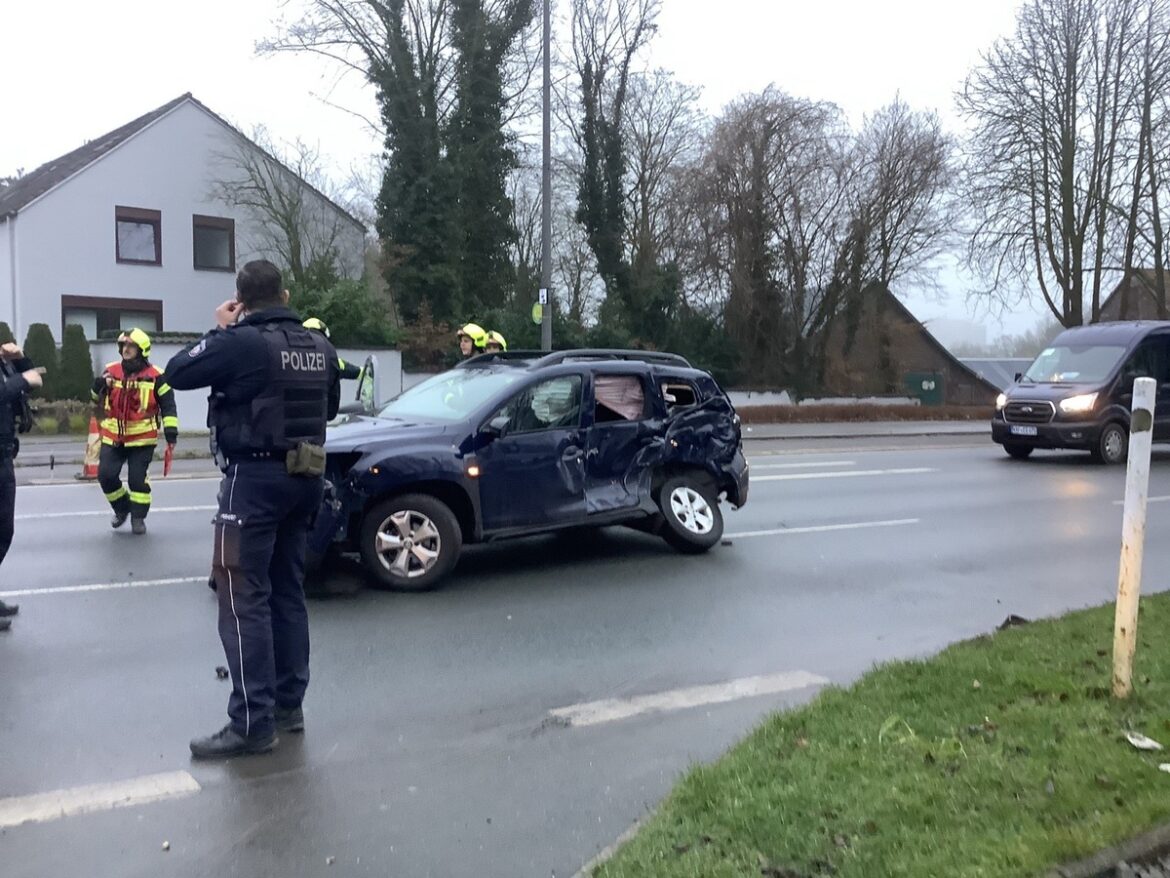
77	374
41	348
480	150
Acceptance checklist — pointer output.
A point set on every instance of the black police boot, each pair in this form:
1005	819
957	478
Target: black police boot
290	719
119	519
138	526
8	609
228	742
5	624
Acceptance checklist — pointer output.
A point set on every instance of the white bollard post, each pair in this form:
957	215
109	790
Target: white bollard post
1133	535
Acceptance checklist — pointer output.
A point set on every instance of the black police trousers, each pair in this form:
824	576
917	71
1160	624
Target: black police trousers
7	502
137	460
261	531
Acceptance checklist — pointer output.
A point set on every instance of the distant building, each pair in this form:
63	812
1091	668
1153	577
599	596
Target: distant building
127	231
893	354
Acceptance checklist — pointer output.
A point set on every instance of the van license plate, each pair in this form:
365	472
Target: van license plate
1024	431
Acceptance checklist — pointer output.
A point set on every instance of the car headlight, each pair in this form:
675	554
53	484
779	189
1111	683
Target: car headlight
1000	401
1078	404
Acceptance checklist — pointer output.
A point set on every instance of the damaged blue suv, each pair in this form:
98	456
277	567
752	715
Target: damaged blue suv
508	445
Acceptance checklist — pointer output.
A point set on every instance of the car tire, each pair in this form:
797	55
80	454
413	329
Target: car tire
692	521
405	519
1112	445
1019	452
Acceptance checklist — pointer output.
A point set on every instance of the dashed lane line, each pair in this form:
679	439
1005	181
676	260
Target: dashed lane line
42	807
609	710
822	528
155	510
101	586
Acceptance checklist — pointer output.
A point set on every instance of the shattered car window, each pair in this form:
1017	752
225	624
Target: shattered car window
618	398
450	396
679	395
549	405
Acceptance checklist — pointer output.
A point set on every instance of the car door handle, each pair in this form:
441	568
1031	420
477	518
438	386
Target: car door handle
571	453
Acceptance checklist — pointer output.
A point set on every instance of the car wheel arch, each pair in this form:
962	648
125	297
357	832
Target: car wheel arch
449	493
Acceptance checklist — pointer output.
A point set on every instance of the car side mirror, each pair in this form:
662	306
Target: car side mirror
497	427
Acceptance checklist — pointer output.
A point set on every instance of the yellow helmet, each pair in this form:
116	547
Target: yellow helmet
495	338
317	324
473	331
138	338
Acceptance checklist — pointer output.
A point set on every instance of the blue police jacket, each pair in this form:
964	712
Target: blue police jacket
273	382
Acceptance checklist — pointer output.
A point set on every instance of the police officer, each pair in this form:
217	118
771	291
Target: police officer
274	385
17	378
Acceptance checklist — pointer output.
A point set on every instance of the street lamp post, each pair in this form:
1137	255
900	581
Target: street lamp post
546	195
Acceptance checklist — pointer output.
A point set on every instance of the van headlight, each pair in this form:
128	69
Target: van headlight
1000	401
1076	405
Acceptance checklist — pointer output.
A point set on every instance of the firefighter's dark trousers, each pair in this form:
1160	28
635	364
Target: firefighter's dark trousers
136	498
259	566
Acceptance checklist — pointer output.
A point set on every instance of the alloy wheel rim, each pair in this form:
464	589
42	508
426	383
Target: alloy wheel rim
408	544
692	511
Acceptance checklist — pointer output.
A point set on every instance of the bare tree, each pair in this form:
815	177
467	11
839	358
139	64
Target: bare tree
292	205
1048	109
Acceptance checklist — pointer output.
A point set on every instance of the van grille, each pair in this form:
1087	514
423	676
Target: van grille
1026	412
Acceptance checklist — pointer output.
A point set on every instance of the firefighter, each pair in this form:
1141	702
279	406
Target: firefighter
471	340
133	399
495	343
348	370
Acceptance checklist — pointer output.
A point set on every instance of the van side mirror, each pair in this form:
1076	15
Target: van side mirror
1019	375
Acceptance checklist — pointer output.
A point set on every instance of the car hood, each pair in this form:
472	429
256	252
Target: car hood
358	432
1048	392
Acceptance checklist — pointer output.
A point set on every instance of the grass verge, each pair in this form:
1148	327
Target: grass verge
1001	756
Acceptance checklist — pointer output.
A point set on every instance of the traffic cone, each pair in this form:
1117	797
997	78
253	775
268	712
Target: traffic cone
93	449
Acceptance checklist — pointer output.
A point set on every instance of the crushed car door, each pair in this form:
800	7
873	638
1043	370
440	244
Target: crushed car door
531	465
613	478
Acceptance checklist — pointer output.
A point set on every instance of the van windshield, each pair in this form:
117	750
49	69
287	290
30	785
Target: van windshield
1076	364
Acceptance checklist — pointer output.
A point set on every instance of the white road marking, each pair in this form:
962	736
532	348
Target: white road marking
593	713
1148	500
154	510
41	807
93	486
822	528
101	586
805	465
846	474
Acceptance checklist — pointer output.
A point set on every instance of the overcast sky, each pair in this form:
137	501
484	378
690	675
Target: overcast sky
78	69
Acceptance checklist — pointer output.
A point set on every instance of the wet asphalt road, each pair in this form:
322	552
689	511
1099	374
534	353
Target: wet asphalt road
430	748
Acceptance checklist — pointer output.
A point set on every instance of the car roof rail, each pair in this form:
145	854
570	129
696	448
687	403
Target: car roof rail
500	356
658	357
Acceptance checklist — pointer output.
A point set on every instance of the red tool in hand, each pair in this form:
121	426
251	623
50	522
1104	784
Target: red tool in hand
168	458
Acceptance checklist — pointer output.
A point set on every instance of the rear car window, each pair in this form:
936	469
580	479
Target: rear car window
618	398
679	394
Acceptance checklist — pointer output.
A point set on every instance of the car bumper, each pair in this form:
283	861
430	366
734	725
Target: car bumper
737	481
1052	435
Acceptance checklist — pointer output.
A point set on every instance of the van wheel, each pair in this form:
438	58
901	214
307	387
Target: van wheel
1112	445
410	543
692	521
1019	452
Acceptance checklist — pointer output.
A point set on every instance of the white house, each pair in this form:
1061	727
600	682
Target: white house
134	228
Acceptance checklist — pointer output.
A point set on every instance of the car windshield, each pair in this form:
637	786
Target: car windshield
1080	364
450	396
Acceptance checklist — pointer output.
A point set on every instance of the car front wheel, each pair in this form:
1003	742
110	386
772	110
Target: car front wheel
692	521
410	543
1112	445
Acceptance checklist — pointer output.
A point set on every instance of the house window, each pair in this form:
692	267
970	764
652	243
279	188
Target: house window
138	238
214	243
100	316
